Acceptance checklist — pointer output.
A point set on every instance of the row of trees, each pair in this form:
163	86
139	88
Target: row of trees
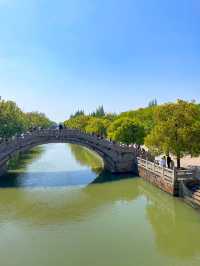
14	121
128	127
172	128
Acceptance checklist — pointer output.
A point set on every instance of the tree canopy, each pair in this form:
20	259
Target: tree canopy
169	128
97	126
126	131
177	130
36	119
172	128
14	121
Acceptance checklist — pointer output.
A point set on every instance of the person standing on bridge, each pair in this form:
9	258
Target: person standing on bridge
60	127
163	161
169	160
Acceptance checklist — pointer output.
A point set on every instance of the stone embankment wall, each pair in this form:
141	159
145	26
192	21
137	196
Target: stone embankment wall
157	180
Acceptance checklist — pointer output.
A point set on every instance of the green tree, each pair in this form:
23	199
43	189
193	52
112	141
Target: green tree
176	131
97	126
78	122
36	119
99	112
127	131
77	113
142	116
153	103
12	119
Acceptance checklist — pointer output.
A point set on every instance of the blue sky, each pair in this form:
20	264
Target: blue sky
60	56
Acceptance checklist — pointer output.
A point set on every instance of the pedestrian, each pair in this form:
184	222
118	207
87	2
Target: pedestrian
163	162
60	127
169	160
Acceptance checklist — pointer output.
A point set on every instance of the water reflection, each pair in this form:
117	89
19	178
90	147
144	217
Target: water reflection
21	161
85	157
47	206
55	197
175	225
31	169
53	165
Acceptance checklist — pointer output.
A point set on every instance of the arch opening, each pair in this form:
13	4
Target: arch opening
53	164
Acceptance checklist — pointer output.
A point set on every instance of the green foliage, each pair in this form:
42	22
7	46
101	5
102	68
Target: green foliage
78	122
77	113
142	116
86	157
100	123
36	119
110	117
97	126
14	121
99	112
177	130
127	131
170	128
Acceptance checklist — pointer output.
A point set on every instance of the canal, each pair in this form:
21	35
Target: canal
58	208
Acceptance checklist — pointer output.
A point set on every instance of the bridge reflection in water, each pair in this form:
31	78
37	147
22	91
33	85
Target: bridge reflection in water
19	175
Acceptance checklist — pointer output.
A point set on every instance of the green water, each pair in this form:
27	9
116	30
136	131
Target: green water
55	211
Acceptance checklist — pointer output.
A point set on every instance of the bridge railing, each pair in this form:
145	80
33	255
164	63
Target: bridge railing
170	175
20	139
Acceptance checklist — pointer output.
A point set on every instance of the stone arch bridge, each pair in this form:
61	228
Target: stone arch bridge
116	158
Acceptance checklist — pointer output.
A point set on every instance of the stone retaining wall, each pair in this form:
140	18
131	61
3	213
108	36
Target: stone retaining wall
156	180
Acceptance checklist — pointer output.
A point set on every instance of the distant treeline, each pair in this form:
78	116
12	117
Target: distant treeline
14	121
171	128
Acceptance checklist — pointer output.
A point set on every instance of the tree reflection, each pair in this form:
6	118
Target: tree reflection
21	161
47	206
85	157
174	224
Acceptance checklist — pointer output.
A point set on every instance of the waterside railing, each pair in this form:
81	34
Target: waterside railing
169	175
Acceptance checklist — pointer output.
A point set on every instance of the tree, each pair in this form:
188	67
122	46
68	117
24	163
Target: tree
77	113
99	112
127	131
12	119
176	131
36	119
97	126
142	116
153	103
78	122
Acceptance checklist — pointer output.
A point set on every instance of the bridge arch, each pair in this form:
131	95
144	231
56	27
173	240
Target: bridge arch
117	159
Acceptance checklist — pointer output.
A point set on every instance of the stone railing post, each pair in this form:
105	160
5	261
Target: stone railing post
174	181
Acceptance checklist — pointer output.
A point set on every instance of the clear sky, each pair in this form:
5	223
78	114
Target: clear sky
59	56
